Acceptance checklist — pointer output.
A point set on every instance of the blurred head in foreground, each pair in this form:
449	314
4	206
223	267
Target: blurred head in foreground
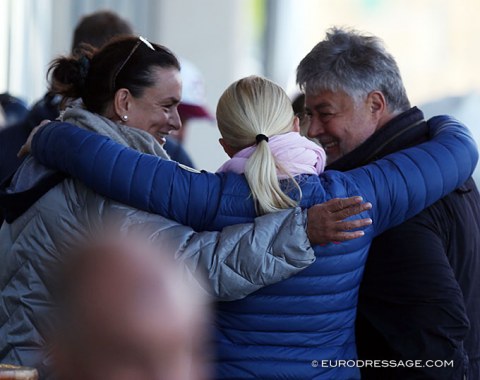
126	314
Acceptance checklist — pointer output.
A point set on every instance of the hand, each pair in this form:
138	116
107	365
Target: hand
27	147
325	222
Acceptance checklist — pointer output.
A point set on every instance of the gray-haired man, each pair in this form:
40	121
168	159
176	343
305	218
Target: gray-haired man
420	296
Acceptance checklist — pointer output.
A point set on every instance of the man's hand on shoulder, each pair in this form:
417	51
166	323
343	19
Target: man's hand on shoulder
326	221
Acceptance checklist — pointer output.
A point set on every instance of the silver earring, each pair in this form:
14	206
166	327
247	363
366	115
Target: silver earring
125	117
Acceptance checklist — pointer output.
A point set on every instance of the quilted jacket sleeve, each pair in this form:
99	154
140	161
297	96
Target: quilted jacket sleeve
404	183
142	181
399	186
245	257
228	265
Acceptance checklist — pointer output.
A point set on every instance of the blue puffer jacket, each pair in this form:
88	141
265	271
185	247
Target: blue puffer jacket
302	327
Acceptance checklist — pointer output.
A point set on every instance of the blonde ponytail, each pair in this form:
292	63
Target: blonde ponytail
261	174
256	106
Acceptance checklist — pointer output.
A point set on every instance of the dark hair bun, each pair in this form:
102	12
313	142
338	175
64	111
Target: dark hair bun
67	75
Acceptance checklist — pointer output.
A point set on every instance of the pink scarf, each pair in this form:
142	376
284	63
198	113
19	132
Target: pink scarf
297	154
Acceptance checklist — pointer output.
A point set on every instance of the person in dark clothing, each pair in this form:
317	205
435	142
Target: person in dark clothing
177	152
419	302
11	139
2	118
15	110
13	133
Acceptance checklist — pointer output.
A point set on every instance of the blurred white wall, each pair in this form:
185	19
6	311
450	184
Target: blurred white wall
25	31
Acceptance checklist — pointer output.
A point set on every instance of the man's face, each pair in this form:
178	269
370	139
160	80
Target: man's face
339	122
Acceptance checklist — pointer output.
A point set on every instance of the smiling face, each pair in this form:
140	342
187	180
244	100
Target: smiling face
339	122
155	111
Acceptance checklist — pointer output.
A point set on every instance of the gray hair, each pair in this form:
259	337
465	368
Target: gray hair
354	63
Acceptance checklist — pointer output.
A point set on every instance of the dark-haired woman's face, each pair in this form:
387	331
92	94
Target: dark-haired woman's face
155	111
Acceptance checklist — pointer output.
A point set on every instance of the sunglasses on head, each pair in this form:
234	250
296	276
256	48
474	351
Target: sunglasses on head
135	47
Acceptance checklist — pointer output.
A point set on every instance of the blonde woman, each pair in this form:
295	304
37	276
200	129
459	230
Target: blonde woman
300	328
282	156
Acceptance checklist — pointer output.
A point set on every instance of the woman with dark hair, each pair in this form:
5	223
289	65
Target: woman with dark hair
130	82
130	90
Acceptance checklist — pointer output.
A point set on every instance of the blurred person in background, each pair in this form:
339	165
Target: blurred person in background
11	139
192	107
13	134
130	91
126	312
298	104
94	29
3	122
194	103
420	295
15	109
285	330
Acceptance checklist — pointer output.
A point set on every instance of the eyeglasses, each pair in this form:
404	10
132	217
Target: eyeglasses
135	47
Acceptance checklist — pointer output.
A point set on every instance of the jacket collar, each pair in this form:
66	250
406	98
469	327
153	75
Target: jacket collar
403	131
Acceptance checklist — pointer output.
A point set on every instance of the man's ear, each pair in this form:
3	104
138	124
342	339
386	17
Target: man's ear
377	103
121	103
227	148
378	108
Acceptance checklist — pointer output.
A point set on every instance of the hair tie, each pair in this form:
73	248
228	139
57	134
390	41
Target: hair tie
261	137
84	63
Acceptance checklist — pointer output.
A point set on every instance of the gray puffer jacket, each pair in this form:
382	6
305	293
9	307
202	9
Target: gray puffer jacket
236	262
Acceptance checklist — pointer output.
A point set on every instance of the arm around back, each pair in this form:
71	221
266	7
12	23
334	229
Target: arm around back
229	264
140	180
244	258
404	183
